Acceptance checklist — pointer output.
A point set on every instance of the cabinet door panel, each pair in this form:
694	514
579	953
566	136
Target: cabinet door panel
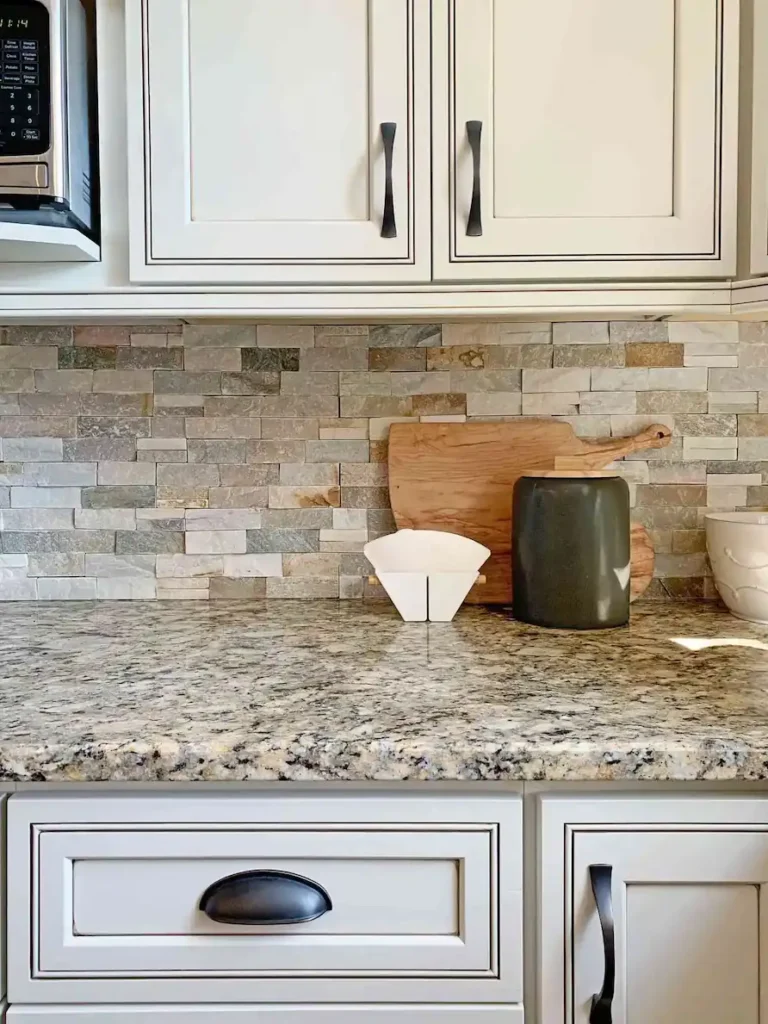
602	148
264	157
688	935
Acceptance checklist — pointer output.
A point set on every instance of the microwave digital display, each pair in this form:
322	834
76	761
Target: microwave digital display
14	23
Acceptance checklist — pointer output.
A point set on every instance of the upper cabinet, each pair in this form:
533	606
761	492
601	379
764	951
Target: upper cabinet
759	218
279	142
585	138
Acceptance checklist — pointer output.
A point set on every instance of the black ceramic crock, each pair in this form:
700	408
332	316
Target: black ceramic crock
571	550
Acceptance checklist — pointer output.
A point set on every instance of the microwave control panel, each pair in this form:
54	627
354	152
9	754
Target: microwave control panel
25	91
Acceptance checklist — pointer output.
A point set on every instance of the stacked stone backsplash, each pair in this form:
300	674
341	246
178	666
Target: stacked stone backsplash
241	461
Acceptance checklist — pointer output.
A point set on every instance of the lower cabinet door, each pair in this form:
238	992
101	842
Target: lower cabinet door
364	1014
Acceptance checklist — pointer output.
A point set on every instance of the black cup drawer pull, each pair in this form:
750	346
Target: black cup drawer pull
600	876
265	897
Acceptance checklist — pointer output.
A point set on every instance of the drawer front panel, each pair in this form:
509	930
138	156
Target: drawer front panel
404	902
266	1015
426	901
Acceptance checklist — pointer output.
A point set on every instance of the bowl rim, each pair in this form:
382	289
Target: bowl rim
757	518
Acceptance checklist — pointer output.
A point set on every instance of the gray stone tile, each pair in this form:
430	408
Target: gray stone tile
109	427
580	333
67	589
155	542
218	335
624	332
277	451
238	590
297	519
19	380
58	540
134	358
365	497
115	404
273	360
96	358
183	476
256	383
56	337
282	541
63	381
405	336
93	449
34	449
99	335
200	359
30	358
305	383
58	564
257	475
285	336
303	587
38	426
120	565
238	497
232	452
119	497
179	382
337	451
121	473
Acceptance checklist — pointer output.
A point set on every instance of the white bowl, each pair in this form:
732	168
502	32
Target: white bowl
737	543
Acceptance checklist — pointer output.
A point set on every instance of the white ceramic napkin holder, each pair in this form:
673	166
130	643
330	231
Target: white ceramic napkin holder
427	573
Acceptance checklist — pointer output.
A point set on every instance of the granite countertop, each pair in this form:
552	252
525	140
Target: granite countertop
324	691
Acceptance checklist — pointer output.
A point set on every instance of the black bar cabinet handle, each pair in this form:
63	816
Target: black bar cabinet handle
265	897
475	221
602	1003
388	225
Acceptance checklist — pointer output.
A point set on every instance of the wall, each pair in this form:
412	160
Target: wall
238	461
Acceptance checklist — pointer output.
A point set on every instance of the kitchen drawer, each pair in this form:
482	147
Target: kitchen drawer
419	899
223	1014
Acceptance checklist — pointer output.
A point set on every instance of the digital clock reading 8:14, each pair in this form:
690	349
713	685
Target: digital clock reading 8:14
14	23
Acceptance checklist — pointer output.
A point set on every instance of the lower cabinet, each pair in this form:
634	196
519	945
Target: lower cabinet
655	909
362	1014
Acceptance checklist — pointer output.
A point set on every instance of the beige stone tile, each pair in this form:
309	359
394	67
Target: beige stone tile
307	473
303	588
625	332
215	542
656	354
20	357
562	404
344	430
556	380
303	497
387	359
238	590
314	564
56	381
274	429
685	332
590	356
353	356
732	401
672	402
234	496
581	333
601	403
753	425
494	404
365	383
229	359
223	428
302	382
285	336
364	474
218	336
101	335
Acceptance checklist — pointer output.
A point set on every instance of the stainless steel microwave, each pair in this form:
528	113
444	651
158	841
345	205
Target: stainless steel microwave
45	132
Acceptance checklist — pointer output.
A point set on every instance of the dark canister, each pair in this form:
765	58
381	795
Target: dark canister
570	550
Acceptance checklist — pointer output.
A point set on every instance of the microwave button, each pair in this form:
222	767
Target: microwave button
29	69
11	44
30	45
31	80
11	78
30	134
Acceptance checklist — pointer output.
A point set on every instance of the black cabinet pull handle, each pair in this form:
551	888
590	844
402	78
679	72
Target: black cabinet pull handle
388	225
265	897
475	221
602	1003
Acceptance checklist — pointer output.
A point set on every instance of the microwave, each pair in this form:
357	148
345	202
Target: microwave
45	125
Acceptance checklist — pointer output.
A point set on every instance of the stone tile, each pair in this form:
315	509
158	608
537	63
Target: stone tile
510	357
45	406
101	335
672	402
365	383
283	541
729	497
580	333
355	564
727	480
179	382
61	381
754	331
20	358
189	566
350	588
337	451
462	357
681	566
350	519
732	401
105	519
89	449
712	353
563	404
447	418
343	430
315	564
232	452
238	590
307	383
285	336
303	588
115	566
222	519
113	427
160	520
709	448
472	334
519	332
179	405
750	355
290	429
54	337
9	404
753	425
252	384
39	427
751	379
118	473
631	379
101	358
677	472
685	332
380	522
118	497
379	429
185	476
115	404
199	359
368	474
433	383
126	589
161	444
439	405
707	426
303	497
656	354
757	497
215	542
15	542
625	332
740	466
589	426
149	340
45	497
365	497
494	404
19	380
483	381
238	497
274	406
67	589
588	355
556	380
335	335
276	451
343	540
601	403
218	336
271	360
673	452
652	495
238	566
386	359
201	592
405	336
302	473
753	448
33	449
297	519
150	542
12	473
334	359
257	475
61	564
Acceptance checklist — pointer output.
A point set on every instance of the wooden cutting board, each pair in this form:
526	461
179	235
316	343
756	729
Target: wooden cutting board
459	477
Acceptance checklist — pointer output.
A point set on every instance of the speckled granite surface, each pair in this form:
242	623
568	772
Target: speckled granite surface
321	691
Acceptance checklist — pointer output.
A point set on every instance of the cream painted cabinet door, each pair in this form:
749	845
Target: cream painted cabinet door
686	920
279	142
585	138
759	247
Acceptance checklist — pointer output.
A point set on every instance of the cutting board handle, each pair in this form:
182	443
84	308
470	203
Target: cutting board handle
596	454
